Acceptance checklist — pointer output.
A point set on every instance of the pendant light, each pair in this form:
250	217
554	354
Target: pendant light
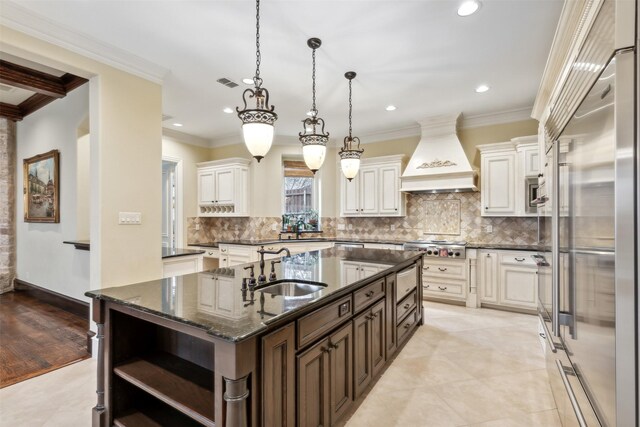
257	123
350	152
314	140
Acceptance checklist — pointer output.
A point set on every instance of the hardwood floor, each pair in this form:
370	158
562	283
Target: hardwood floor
36	337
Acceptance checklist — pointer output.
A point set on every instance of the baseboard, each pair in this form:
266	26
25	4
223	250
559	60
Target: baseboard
63	302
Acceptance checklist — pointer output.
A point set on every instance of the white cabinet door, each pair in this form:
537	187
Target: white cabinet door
224	186
531	162
498	184
518	286
367	270
351	196
207	191
368	191
389	190
350	272
488	277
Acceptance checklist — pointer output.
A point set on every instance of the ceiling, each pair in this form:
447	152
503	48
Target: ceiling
417	55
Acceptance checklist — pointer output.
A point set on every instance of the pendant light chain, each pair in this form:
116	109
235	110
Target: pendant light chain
314	111
350	108
257	80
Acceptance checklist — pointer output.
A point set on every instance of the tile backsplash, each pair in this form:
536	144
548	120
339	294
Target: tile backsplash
459	220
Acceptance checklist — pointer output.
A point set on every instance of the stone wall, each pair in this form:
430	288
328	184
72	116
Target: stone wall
448	216
7	204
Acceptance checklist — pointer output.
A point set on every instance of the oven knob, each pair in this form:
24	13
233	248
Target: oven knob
429	252
450	253
457	253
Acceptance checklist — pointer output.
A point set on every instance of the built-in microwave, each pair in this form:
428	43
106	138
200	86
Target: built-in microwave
531	193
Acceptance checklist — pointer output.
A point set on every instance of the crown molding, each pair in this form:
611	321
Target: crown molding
186	138
500	117
21	19
390	134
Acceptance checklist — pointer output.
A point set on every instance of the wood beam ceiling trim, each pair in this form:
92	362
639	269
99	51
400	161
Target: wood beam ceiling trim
11	112
35	81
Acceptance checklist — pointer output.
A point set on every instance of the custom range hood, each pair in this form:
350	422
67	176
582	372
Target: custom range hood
439	163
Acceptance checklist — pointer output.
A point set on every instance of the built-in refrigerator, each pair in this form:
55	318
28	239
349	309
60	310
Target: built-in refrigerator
588	235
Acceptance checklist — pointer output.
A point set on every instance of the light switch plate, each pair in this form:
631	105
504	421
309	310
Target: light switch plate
129	218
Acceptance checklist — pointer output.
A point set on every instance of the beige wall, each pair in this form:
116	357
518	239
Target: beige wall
126	151
175	147
83	183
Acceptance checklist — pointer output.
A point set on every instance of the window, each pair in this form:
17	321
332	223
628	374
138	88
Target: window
299	207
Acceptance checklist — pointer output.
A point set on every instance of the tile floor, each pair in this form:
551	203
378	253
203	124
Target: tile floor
465	367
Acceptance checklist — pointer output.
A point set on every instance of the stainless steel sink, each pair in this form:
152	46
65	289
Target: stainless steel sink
292	289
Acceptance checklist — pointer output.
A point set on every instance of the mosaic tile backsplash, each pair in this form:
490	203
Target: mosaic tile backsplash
464	224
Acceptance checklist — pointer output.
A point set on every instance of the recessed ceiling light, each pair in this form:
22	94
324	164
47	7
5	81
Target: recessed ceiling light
227	110
247	81
468	8
482	88
390	107
178	125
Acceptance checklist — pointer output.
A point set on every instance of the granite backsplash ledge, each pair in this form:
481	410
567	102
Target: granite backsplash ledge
448	216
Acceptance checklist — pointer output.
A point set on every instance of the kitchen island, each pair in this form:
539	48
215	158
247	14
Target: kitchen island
220	349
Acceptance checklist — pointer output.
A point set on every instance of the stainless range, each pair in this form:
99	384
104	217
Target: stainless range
438	248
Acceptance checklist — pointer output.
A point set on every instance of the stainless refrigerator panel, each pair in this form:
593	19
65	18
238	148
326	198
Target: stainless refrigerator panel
626	235
586	241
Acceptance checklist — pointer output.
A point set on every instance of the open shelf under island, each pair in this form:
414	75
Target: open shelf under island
217	349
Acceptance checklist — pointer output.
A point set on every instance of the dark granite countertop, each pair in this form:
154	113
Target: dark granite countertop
83	245
214	300
176	252
505	246
255	242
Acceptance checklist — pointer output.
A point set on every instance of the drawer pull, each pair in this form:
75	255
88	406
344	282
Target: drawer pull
210	253
442	269
406	306
369	294
374	315
442	288
223	250
427	286
334	346
519	259
407	325
427	267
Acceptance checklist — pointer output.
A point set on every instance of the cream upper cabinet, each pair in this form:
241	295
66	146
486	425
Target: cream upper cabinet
509	175
206	187
388	199
498	184
375	191
369	191
223	187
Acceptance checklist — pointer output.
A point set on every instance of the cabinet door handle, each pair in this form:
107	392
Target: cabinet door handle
334	346
369	294
374	315
519	259
407	325
406	306
427	267
427	286
488	255
442	269
486	207
442	288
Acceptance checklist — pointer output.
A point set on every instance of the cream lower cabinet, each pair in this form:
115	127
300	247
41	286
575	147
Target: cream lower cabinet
508	278
178	266
231	255
445	279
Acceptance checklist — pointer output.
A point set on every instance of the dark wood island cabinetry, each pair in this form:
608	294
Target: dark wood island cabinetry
206	349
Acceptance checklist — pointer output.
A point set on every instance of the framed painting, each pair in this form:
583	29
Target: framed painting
42	188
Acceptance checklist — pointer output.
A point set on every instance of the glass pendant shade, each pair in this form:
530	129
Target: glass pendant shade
258	138
350	163
314	156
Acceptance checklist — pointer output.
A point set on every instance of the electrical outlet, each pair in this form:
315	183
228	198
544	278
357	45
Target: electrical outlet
274	227
129	218
350	226
489	229
340	227
197	226
392	227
